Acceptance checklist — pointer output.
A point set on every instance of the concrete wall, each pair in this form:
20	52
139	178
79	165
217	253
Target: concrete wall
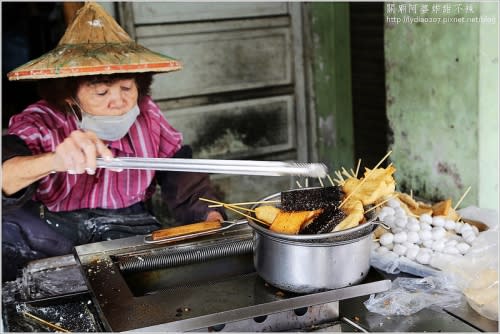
442	103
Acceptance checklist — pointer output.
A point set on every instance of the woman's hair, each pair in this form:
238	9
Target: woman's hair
56	91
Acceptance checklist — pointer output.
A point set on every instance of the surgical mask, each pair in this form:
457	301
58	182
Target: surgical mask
109	127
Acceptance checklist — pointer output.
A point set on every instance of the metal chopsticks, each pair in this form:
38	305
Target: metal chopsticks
241	167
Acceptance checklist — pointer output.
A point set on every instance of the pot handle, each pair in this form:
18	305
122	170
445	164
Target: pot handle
381	223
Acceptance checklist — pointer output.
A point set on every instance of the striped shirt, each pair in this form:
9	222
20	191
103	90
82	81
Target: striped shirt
42	128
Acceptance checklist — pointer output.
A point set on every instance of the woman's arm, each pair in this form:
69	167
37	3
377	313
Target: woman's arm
76	154
21	171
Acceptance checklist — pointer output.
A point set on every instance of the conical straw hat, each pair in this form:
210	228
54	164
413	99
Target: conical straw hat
94	43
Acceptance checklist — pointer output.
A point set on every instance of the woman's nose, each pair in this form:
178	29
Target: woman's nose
117	99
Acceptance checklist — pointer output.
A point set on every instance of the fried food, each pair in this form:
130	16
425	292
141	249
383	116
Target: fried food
376	184
266	213
291	222
442	208
355	214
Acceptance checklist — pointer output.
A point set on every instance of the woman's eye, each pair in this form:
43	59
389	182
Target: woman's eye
102	93
126	88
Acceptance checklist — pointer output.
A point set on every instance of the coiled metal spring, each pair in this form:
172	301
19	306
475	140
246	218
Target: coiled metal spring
160	260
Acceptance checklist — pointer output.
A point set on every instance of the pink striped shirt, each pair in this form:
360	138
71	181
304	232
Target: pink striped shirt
43	128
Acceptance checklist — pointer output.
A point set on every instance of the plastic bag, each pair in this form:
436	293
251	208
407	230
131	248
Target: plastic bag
410	295
476	273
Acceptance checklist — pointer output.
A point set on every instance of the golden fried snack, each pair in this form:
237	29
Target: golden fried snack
292	221
355	214
442	208
376	184
266	213
408	200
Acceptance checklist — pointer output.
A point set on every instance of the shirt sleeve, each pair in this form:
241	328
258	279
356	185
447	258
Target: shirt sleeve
181	192
13	146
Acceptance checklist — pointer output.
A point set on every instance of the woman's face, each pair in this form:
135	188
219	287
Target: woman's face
107	99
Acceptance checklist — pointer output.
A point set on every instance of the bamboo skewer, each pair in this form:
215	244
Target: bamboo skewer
51	325
244	203
357	168
330	179
232	209
462	198
379	204
298	184
320	182
363	181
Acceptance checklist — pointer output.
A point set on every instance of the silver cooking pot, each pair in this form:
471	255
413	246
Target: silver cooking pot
312	263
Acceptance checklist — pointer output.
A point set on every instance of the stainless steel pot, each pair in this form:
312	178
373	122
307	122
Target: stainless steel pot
312	263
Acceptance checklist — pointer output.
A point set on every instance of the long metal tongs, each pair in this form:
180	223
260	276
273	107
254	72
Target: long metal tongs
241	167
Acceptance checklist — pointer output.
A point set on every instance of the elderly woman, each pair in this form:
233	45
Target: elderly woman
54	197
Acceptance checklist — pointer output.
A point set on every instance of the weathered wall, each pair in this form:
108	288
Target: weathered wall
332	83
440	106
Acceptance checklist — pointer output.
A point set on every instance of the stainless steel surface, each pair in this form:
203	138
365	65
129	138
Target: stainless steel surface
311	267
224	226
426	320
303	319
193	296
241	167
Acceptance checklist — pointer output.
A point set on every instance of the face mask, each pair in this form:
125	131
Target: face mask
109	127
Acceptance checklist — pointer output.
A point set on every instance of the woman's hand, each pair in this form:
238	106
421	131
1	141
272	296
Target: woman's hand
78	152
214	216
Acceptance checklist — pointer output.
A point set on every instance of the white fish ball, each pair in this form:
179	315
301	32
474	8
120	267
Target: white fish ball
393	203
438	221
451	242
468	234
462	247
438	233
408	244
458	227
476	230
401	221
465	227
413	237
399	249
375	245
382	250
470	238
389	220
428	243
425	227
386	238
425	235
411	253
389	246
451	250
400	237
426	218
388	211
400	212
396	230
449	224
423	257
438	245
413	226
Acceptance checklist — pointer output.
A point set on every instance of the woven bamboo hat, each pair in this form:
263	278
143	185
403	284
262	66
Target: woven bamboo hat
94	43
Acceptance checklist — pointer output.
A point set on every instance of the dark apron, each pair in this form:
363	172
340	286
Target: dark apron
32	232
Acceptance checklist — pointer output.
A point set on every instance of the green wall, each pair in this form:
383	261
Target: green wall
331	68
442	105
